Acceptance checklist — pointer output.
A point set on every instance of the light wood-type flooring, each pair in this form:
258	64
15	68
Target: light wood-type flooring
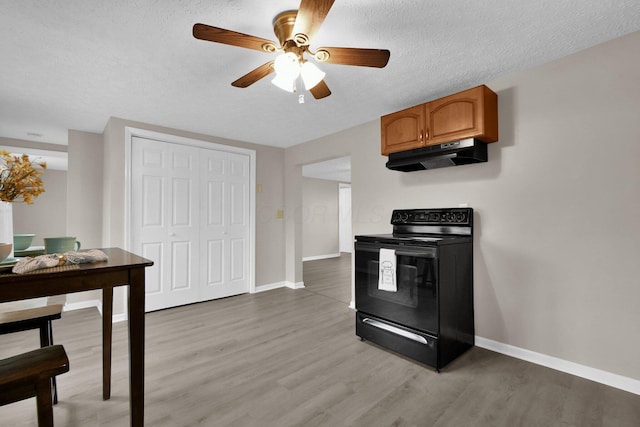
290	358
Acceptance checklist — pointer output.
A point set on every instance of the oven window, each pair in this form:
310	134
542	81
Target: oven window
407	292
414	302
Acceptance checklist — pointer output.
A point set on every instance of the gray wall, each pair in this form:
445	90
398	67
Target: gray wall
320	228
557	206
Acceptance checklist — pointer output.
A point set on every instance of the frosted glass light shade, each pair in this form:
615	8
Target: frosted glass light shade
287	65
284	83
311	75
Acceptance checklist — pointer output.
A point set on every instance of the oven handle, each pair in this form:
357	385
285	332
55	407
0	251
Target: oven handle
394	330
419	252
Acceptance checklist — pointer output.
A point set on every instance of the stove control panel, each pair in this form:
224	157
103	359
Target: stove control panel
448	216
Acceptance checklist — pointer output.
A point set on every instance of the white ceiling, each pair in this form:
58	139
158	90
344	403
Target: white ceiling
72	64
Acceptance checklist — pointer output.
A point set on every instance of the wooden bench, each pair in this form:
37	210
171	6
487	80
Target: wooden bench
33	318
29	374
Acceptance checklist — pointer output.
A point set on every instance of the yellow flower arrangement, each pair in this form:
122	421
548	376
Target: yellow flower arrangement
20	178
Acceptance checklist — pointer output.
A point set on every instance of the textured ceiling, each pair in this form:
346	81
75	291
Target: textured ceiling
72	64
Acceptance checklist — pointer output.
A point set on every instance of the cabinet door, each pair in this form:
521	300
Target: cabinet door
472	113
403	130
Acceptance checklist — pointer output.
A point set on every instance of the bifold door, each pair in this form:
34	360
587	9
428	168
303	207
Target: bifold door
190	215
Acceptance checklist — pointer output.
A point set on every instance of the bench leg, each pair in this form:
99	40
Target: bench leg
43	402
46	339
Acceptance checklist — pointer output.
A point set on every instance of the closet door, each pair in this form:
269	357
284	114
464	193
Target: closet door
224	230
165	219
191	215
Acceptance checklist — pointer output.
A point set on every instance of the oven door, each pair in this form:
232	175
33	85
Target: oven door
414	302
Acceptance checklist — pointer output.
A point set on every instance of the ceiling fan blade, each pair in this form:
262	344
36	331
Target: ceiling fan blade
311	14
255	75
321	90
233	38
377	58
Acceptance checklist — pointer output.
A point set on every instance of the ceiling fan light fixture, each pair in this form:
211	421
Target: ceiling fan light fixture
311	75
284	83
287	66
295	30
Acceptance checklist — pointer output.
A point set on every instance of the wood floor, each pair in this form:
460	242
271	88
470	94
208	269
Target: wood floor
290	358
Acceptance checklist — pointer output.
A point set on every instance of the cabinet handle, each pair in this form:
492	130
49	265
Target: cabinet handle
421	136
427	134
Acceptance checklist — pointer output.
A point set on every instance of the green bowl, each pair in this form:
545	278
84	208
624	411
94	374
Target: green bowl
22	241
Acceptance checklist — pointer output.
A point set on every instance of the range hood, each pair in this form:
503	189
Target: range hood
454	153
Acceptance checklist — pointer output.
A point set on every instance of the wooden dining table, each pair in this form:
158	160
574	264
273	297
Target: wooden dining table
121	268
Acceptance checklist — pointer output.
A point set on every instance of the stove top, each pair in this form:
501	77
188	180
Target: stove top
427	227
413	239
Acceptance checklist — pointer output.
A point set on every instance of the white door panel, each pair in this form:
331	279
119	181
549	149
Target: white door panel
237	259
152	215
215	263
162	193
153	274
227	204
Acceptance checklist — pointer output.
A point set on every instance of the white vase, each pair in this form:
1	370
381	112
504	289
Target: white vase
6	224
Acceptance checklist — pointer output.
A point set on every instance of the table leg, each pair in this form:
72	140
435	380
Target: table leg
107	327
136	345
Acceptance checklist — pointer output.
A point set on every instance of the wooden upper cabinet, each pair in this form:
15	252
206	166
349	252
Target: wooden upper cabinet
403	130
472	113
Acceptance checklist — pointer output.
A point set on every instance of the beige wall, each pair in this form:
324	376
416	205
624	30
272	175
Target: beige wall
84	184
557	206
84	197
320	218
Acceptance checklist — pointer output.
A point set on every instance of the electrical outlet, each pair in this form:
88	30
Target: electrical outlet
280	214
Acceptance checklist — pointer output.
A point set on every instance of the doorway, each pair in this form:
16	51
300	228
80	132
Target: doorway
326	206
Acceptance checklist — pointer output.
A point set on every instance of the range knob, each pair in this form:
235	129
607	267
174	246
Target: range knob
399	217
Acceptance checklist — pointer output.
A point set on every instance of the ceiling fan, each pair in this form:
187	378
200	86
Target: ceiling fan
294	31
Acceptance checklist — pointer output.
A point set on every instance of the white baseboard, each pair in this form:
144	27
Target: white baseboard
614	380
296	285
276	285
82	305
93	303
270	286
317	257
118	318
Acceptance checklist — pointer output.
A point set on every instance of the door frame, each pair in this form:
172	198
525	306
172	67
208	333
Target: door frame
131	132
345	233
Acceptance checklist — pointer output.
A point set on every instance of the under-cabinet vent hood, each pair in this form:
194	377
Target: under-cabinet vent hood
454	153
